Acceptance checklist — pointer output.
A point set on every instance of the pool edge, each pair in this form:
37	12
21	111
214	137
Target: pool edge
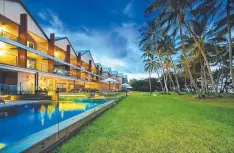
45	141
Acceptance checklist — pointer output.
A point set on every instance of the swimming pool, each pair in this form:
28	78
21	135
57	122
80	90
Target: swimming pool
20	121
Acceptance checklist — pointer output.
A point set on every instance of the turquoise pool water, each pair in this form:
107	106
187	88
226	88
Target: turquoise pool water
18	122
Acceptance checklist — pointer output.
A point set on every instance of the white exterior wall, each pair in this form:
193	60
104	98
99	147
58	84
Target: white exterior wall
105	75
63	45
86	57
12	10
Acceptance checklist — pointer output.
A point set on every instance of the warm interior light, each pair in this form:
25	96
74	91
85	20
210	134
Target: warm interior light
2	52
56	54
2	45
2	28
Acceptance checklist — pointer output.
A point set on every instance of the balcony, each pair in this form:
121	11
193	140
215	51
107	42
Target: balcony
60	71
8	35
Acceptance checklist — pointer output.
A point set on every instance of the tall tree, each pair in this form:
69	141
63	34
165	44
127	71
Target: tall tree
171	14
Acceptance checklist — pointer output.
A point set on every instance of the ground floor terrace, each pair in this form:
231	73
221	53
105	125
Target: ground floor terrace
162	123
20	81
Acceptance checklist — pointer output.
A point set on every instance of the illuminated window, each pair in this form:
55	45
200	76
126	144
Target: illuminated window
31	63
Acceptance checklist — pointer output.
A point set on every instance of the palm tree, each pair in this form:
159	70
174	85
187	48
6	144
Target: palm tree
171	14
203	34
150	34
226	22
168	46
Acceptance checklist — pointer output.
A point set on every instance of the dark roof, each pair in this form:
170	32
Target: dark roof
99	64
21	2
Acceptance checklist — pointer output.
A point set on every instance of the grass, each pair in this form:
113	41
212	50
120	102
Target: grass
163	123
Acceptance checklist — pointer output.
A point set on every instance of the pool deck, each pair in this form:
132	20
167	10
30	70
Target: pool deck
21	102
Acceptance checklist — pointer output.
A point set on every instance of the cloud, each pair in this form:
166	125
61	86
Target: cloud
140	75
128	10
116	47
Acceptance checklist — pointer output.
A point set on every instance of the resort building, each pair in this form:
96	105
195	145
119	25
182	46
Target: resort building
125	79
120	80
106	73
30	61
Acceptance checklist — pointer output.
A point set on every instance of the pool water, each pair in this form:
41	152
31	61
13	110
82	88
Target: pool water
18	122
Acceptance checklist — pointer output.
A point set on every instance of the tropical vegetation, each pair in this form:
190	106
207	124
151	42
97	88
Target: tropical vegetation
190	40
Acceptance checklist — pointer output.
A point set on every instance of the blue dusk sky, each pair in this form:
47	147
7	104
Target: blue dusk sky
108	28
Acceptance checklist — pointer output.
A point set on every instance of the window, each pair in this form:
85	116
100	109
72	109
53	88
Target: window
31	63
30	45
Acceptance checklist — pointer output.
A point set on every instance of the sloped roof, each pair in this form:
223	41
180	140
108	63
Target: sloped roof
61	38
24	6
114	72
108	70
99	64
120	75
83	52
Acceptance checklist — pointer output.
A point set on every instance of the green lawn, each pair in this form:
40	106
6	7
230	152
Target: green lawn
164	123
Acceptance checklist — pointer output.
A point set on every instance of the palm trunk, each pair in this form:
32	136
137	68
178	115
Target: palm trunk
185	82
202	78
165	83
150	82
208	68
173	84
230	43
218	78
164	78
176	79
187	62
160	80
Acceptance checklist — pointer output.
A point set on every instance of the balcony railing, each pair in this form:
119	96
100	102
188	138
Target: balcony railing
43	50
9	59
60	71
8	35
42	67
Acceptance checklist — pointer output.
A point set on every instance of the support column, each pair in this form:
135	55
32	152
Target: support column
90	70
51	52
79	63
22	53
98	72
36	82
67	59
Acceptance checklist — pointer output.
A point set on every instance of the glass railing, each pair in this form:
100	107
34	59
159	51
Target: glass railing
8	35
42	67
9	59
41	49
60	71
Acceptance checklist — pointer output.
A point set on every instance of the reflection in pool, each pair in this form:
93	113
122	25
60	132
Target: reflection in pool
20	121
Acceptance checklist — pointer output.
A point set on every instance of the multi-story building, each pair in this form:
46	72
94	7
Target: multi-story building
31	61
106	73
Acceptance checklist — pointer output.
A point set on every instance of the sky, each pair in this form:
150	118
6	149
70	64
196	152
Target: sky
108	28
